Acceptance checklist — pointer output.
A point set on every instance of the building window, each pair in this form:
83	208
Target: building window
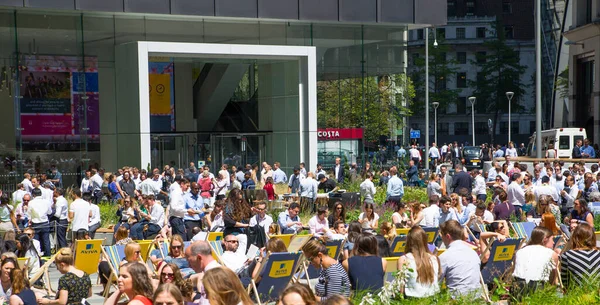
420	34
481	57
481	128
509	32
507	8
414	58
441	33
470	8
480	32
460	33
440	84
531	127
461	57
451	8
461	105
443	129
461	80
461	128
514	127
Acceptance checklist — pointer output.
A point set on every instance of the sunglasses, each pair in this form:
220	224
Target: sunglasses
168	275
127	201
175	247
232	241
259	209
25	200
137	252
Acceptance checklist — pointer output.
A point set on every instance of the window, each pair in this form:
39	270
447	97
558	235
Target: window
509	32
414	58
461	128
443	129
441	33
440	84
514	127
507	8
461	105
481	128
420	34
460	33
451	8
461	57
563	142
531	127
470	8
481	32
461	80
481	57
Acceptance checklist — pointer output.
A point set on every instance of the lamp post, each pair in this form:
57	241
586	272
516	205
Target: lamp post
435	107
509	95
427	100
472	99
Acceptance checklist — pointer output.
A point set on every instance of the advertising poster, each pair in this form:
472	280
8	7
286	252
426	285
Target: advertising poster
162	97
52	107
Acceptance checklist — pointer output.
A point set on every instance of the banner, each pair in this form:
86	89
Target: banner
162	96
87	255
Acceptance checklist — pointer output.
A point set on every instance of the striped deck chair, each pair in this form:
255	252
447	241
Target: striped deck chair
217	250
391	268
523	229
213	236
286	238
397	247
275	275
113	255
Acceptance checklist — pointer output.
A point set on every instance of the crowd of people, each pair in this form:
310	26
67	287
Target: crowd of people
182	205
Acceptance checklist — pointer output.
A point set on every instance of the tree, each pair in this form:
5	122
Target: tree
441	70
500	72
341	103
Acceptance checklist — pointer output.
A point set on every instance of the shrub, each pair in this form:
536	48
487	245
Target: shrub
108	214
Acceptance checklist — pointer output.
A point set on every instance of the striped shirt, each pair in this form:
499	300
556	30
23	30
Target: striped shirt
333	280
578	267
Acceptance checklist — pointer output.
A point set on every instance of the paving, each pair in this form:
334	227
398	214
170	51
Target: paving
96	299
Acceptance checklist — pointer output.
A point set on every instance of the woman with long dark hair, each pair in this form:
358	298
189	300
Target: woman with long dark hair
368	219
236	217
25	248
338	214
354	230
423	267
580	213
366	268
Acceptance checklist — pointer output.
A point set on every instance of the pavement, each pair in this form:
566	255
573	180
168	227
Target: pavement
96	299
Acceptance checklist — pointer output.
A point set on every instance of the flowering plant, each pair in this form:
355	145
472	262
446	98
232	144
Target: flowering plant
392	290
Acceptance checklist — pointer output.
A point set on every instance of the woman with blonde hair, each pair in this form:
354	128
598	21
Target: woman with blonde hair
21	292
74	286
531	207
223	287
168	294
416	216
456	205
423	267
297	294
388	230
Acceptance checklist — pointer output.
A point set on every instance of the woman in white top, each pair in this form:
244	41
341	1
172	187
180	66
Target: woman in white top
433	187
368	219
423	268
511	151
25	248
535	264
399	218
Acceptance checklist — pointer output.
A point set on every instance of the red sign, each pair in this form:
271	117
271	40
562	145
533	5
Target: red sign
340	134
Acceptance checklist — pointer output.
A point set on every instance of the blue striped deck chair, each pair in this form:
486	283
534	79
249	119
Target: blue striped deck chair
275	276
398	244
501	258
217	249
523	229
432	234
113	255
186	244
391	268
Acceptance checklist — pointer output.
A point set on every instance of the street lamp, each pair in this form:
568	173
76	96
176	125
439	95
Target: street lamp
435	107
472	99
509	95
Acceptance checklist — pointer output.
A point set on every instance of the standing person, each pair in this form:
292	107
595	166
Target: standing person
459	263
511	151
366	268
445	181
86	182
333	279
224	173
338	171
96	182
576	154
269	188
127	185
412	173
8	221
38	217
434	154
80	212
367	189
568	195
21	291
486	153
223	288
74	286
415	155
177	208
220	187
587	151
461	180
194	204
479	189
308	191
278	175
134	283
248	183
395	187
433	187
424	267
295	180
236	218
516	195
61	217
27	183
206	187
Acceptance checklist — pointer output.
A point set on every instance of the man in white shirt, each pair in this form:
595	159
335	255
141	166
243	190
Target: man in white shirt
27	183
80	212
21	211
367	188
337	232
546	189
38	218
431	214
480	216
155	218
479	189
444	151
61	216
86	183
434	154
231	258
415	155
460	264
516	195
96	184
261	218
17	196
94	223
177	208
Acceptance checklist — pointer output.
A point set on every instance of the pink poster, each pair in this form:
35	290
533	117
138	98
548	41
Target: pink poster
34	124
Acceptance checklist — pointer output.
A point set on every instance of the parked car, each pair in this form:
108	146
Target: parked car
471	158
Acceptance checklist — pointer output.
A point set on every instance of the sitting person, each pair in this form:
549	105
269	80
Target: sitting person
580	262
318	224
289	221
170	273
399	217
388	230
497	229
337	232
231	258
459	263
481	216
424	267
580	213
366	268
177	257
261	218
122	236
274	245
368	219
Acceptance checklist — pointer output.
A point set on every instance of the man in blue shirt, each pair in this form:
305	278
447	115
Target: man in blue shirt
194	205
587	151
295	179
248	183
278	175
289	221
395	187
401	153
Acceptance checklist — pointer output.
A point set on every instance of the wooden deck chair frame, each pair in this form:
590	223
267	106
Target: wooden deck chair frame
269	262
297	242
43	272
114	270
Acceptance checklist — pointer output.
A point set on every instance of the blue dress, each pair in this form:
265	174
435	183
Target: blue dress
365	272
27	296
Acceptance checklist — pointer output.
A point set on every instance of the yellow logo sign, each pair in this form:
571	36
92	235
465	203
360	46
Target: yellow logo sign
504	253
281	269
87	251
331	250
399	247
430	237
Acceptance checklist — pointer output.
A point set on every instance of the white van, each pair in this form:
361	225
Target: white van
563	140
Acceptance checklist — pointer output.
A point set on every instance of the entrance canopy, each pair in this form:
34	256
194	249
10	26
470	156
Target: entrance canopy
292	128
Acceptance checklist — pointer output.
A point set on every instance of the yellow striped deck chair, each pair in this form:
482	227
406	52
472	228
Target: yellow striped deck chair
523	229
113	255
213	236
217	249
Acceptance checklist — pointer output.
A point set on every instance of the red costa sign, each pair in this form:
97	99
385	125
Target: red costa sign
340	134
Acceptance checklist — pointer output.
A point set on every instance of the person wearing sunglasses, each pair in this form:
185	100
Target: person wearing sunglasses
230	257
176	256
497	229
170	274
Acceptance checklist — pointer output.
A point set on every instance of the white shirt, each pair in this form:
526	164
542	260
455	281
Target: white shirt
444	149
309	188
488	217
96	182
337	171
17	196
62	208
367	190
95	219
233	260
85	185
416	289
414	153
534	263
147	187
546	189
225	175
157	215
479	188
516	195
81	210
48	195
431	216
177	203
264	222
368	224
434	152
511	152
27	185
38	210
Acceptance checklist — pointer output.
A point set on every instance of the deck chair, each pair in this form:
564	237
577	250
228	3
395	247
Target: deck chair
113	255
88	252
145	248
43	272
403	231
334	248
297	242
214	236
397	247
501	258
275	276
217	250
286	238
597	238
391	268
23	262
523	229
432	234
